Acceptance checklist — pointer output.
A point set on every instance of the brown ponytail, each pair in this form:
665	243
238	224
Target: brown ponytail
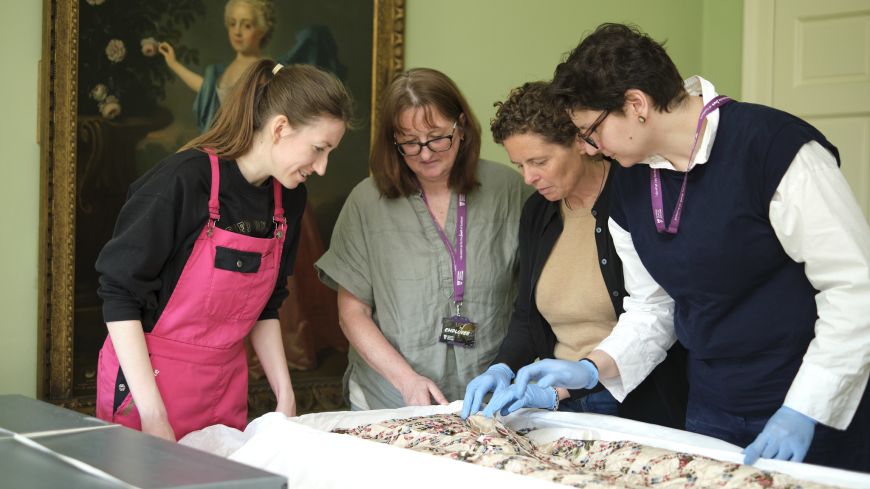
302	93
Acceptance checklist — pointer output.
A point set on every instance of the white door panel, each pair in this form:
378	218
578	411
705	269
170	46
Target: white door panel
822	58
812	58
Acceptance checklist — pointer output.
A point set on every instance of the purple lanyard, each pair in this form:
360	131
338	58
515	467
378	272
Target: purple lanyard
655	179
458	256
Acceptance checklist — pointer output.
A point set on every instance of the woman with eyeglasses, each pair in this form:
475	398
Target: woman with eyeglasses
424	252
571	285
740	239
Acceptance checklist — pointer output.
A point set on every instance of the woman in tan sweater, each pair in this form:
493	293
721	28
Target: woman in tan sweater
571	282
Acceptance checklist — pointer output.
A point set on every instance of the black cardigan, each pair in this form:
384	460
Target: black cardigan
661	398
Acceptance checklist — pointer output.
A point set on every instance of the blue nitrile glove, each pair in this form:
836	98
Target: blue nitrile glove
509	400
561	373
549	373
786	436
496	378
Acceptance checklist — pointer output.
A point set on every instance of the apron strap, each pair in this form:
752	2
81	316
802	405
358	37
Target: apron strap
279	203
213	203
278	218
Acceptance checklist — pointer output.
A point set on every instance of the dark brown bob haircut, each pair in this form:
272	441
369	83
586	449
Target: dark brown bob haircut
612	60
435	93
531	109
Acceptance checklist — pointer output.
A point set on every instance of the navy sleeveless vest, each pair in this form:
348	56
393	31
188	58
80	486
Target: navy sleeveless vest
744	310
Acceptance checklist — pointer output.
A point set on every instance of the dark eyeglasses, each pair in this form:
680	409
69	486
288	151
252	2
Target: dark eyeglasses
436	145
586	136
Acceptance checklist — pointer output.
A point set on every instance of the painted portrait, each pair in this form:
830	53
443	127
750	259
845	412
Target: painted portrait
128	83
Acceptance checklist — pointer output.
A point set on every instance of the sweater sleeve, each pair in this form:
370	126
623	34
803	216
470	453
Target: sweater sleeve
131	261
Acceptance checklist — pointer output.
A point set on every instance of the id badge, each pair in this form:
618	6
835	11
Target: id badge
457	331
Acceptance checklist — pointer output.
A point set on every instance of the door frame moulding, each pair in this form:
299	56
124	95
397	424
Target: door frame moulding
758	35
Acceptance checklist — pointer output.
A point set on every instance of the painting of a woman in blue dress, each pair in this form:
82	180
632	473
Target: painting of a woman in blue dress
249	25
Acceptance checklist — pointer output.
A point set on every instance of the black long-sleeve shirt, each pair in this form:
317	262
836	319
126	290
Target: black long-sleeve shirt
166	210
661	398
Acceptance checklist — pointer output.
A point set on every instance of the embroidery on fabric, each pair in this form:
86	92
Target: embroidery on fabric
250	227
589	464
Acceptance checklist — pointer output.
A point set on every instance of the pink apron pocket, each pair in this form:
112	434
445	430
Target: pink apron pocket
190	392
236	287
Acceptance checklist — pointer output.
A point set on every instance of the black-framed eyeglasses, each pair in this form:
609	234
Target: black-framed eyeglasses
436	145
587	136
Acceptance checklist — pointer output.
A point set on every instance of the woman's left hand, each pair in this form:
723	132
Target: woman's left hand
786	436
563	373
510	399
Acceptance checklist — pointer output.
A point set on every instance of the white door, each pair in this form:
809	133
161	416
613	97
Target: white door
812	58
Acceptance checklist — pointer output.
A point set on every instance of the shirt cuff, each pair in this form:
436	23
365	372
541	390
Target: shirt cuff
268	314
114	312
827	398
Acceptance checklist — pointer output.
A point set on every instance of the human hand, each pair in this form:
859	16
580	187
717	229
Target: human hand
157	426
786	436
562	373
418	390
548	372
167	51
511	399
496	378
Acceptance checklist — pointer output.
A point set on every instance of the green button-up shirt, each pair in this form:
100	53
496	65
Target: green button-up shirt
388	254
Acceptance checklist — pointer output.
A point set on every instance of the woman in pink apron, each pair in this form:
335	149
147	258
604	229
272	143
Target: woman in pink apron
201	254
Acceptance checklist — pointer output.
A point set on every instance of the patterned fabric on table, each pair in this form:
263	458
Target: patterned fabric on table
588	464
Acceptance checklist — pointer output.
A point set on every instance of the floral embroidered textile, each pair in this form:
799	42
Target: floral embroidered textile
590	464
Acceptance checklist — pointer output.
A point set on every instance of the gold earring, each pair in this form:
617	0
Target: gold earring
641	118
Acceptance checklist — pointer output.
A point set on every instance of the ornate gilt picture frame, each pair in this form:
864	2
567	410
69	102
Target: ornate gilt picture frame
61	135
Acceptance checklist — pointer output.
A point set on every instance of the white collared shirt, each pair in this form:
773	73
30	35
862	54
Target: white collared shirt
818	222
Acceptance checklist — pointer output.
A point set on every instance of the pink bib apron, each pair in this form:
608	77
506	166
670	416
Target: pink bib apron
197	346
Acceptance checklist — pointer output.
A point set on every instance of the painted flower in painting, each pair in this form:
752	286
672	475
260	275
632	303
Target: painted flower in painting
99	92
116	51
110	107
112	72
149	46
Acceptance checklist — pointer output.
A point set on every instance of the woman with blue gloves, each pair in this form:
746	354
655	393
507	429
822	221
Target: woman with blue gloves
571	285
740	239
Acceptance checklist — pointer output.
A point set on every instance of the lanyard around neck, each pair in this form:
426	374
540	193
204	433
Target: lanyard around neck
457	255
655	179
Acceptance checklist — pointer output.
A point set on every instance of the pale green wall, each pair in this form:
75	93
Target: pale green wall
722	45
491	46
20	46
487	46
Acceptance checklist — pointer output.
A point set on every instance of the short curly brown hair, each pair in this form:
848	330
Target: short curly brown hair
531	109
